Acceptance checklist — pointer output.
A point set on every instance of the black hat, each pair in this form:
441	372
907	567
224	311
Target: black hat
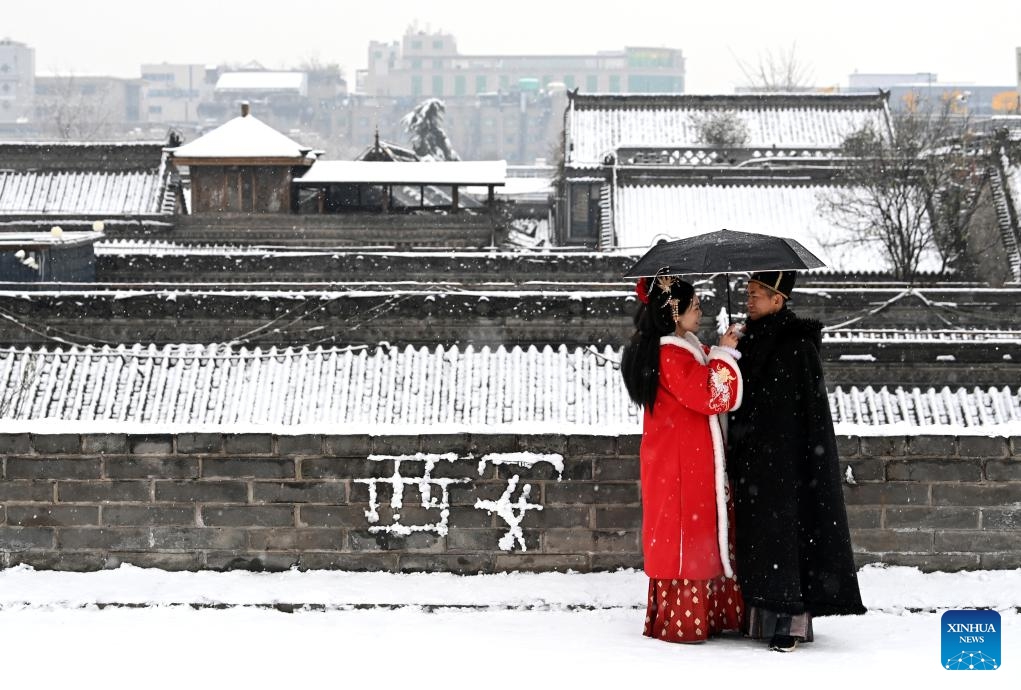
777	281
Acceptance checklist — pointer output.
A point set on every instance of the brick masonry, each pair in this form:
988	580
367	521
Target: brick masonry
265	502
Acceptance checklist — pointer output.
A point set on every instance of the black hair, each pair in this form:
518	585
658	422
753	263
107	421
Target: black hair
640	363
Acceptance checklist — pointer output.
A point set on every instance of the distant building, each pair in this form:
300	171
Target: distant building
909	91
1018	63
429	65
17	82
173	92
497	106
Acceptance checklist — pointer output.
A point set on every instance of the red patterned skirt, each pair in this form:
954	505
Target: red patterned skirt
692	610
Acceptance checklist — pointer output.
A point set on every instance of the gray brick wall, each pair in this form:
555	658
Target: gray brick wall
936	502
264	502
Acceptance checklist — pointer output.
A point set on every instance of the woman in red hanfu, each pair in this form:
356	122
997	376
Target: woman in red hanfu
685	388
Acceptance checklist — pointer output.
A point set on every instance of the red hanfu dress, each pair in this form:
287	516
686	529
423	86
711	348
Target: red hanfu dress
686	509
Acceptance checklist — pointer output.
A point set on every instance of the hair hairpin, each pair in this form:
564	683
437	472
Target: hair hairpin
675	309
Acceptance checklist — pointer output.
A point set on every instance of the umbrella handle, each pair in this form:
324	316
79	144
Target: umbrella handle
726	276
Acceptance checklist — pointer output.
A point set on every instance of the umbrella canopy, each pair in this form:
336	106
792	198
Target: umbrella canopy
724	251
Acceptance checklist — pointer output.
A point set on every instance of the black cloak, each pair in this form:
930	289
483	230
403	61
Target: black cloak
793	545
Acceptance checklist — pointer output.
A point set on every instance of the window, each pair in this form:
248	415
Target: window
650	57
614	83
569	81
437	85
592	83
460	86
504	82
652	83
437	64
438	44
480	83
416	85
584	210
546	79
416	64
416	45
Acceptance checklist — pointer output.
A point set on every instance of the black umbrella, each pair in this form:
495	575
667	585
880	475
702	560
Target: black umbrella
724	251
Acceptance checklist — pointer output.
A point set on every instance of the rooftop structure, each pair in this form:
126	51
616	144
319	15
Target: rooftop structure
596	125
75	184
387	390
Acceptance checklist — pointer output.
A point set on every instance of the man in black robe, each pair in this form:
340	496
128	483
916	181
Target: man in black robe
794	558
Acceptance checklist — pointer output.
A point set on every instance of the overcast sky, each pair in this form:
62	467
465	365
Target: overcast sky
972	41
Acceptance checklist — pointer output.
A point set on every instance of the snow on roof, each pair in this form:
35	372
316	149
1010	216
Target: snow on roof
263	81
980	337
644	214
398	391
599	124
47	239
246	136
406	172
85	192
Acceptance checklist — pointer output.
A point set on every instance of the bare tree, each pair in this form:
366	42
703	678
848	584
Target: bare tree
76	110
424	126
777	70
913	190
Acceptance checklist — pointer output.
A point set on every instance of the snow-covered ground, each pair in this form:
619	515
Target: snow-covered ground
132	627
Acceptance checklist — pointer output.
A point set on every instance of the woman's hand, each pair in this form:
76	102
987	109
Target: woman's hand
731	336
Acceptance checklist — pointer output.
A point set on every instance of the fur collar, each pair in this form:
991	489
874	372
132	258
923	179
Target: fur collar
689	342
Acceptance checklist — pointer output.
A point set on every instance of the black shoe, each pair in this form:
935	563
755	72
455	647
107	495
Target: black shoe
783	643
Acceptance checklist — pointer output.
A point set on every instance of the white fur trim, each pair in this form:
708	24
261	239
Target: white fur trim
722	523
722	355
691	343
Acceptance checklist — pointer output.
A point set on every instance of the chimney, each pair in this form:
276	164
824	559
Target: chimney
244	108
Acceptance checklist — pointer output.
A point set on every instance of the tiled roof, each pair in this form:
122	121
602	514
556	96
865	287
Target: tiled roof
84	193
978	337
206	386
599	124
245	136
90	156
645	213
919	408
390	390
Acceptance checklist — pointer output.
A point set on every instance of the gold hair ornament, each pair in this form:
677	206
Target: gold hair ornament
675	309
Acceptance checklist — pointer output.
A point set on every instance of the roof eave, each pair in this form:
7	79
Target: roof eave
242	160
